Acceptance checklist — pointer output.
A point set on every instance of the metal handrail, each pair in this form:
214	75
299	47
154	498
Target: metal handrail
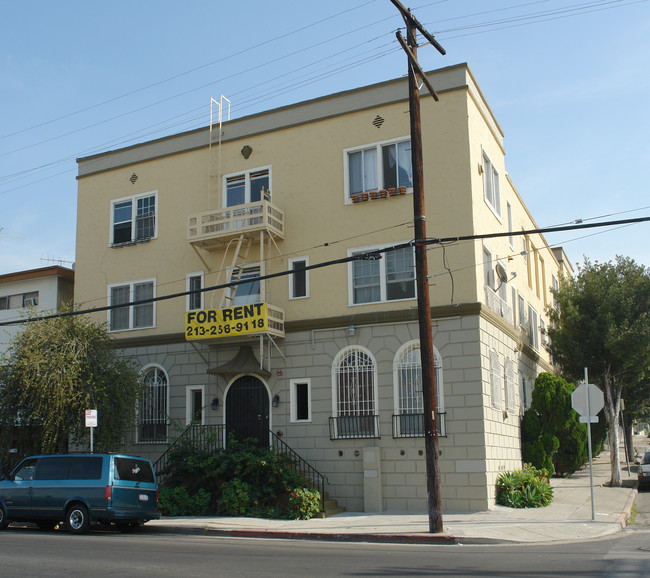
207	437
317	479
211	438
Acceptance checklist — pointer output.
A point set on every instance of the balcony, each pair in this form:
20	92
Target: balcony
498	305
211	229
350	427
411	425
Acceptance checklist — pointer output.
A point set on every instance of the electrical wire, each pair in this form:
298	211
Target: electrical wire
370	255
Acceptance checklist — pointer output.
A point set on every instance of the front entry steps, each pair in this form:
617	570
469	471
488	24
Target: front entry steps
331	507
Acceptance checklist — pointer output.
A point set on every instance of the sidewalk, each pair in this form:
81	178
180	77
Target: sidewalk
568	518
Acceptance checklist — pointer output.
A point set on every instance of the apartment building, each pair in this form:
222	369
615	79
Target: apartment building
206	243
41	290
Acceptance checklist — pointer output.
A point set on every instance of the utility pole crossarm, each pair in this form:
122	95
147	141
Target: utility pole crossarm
411	20
414	63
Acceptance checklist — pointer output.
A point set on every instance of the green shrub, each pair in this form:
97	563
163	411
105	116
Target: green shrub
241	480
552	436
304	503
236	498
525	488
178	502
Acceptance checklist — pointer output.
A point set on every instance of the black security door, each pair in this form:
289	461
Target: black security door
247	410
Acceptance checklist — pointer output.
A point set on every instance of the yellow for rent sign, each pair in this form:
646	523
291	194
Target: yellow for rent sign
214	323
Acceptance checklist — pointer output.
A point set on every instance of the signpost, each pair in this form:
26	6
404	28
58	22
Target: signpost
91	422
588	400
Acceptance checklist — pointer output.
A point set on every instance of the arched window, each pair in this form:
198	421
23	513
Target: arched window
152	408
409	403
355	403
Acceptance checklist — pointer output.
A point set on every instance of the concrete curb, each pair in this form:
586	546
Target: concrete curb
627	510
445	539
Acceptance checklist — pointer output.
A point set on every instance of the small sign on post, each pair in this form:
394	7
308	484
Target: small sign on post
91	422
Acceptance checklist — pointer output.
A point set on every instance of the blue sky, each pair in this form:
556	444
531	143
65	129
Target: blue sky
568	81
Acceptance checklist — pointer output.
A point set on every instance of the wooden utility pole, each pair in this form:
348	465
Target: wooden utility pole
431	448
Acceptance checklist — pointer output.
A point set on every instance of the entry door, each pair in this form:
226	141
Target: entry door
247	410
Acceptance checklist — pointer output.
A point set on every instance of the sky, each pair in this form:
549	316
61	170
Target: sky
568	81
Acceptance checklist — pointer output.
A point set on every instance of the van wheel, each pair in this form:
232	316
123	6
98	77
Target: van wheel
77	519
3	519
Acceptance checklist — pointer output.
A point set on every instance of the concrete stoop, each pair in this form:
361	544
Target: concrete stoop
331	507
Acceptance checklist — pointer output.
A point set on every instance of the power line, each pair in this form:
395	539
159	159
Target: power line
185	73
576	9
370	255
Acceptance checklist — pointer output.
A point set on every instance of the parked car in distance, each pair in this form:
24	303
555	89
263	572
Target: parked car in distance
79	489
644	471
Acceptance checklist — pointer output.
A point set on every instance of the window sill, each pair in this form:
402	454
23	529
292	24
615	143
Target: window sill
130	243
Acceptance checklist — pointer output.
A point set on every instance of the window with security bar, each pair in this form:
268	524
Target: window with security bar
152	409
355	395
409	419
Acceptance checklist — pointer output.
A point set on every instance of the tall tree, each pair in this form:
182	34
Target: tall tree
602	322
53	371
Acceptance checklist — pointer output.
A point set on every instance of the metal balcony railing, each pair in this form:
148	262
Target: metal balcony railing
411	425
216	226
498	305
346	427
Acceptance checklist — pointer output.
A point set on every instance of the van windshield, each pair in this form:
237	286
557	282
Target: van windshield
133	470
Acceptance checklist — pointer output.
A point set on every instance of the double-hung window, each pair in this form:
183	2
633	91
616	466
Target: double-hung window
131	305
491	186
194	293
247	187
379	166
496	381
533	327
134	219
247	291
388	278
509	380
299	279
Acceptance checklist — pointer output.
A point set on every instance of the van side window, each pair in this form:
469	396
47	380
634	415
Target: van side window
133	470
26	471
86	468
53	468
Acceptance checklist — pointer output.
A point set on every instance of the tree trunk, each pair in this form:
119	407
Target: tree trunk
612	411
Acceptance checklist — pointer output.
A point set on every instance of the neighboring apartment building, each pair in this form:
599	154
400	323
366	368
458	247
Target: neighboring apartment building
327	359
44	289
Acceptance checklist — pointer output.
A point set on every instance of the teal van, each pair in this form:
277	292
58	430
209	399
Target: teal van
79	489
